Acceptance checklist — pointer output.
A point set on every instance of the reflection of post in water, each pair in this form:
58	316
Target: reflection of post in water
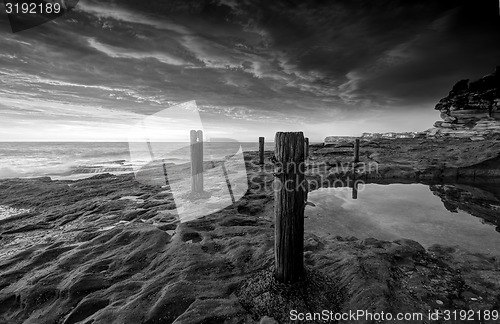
354	182
355	190
354	164
196	149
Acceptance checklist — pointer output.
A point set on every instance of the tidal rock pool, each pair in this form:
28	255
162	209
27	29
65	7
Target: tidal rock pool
414	211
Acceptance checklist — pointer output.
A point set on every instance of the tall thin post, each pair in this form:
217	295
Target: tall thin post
356	151
289	202
196	148
306	148
261	150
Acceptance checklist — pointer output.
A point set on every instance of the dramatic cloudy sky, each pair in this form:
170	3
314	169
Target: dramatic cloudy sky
339	67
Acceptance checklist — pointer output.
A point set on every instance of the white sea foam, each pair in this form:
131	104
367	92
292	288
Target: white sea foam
6	211
72	161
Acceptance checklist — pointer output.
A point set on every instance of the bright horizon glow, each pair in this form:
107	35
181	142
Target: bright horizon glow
243	131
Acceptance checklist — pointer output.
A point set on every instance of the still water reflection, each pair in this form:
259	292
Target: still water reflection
389	212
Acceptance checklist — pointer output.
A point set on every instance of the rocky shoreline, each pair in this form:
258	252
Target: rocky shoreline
415	159
109	249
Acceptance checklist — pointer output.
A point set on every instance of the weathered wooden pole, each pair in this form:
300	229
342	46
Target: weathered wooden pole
356	151
306	148
261	150
196	148
289	202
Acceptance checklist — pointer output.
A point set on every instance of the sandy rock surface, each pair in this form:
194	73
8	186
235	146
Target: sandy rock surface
109	249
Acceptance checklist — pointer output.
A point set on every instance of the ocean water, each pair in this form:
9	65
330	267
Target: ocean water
76	160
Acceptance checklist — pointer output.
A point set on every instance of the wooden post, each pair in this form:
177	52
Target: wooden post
289	202
356	151
196	148
261	150
306	148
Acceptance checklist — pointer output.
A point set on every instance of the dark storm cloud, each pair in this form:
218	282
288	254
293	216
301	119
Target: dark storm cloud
380	52
464	42
252	59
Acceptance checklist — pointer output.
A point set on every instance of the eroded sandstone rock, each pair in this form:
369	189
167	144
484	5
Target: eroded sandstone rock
471	109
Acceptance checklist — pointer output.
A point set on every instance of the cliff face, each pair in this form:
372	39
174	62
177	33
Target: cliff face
472	109
331	140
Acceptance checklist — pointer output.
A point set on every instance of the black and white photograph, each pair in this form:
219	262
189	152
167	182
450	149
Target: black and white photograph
249	161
